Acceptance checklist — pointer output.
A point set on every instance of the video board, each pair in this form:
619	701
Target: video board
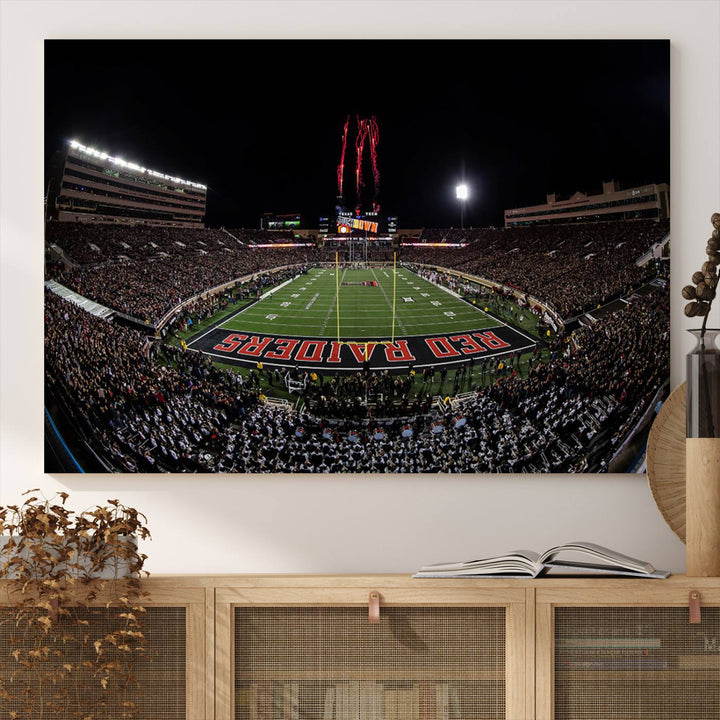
287	221
368	224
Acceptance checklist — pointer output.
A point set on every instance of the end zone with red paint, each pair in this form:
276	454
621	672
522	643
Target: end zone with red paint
348	355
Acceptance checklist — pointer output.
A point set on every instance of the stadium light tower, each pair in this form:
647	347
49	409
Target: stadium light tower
461	193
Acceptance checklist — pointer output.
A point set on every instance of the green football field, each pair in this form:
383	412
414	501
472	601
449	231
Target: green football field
328	304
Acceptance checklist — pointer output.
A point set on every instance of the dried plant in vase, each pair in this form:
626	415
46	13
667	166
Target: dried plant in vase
703	363
702	292
71	610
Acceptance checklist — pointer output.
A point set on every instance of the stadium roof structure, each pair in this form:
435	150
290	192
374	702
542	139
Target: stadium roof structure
648	201
132	166
90	185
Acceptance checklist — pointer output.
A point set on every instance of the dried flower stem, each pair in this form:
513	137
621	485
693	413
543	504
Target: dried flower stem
701	295
72	656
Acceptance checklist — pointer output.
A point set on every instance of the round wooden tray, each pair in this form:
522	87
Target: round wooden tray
666	461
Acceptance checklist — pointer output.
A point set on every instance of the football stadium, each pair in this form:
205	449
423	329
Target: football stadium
349	342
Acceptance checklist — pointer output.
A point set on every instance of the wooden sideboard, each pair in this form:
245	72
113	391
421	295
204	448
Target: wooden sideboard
265	647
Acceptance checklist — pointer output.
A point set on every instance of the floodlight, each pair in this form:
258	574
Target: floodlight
132	166
461	192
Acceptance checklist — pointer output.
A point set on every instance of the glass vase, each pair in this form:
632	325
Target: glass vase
703	386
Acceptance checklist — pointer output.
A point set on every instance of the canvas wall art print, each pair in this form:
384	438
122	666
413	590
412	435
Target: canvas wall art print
355	256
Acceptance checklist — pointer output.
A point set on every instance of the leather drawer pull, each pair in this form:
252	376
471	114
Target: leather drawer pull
374	607
694	603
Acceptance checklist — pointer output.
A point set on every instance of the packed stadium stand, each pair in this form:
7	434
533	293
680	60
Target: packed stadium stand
262	237
147	272
572	267
145	405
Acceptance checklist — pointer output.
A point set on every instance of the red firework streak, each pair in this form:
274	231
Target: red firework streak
341	166
374	135
360	146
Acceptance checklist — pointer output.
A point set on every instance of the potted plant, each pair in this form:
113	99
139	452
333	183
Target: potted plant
703	369
71	609
702	456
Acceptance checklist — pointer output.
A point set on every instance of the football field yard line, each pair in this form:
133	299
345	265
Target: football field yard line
462	312
437	328
396	318
335	300
273	290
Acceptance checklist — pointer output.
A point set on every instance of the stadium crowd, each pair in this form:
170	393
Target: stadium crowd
574	268
145	272
249	236
158	408
365	395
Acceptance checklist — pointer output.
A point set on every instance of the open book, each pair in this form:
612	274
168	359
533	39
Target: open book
575	558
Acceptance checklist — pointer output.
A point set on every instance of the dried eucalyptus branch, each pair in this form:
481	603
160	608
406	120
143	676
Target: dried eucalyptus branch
702	293
701	296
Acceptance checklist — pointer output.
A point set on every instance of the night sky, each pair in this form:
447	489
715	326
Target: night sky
260	121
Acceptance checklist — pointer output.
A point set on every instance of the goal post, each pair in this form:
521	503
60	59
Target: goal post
394	295
337	293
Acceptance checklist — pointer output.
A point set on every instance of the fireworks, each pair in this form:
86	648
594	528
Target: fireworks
341	166
367	131
360	148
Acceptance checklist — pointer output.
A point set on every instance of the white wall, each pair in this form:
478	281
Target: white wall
345	523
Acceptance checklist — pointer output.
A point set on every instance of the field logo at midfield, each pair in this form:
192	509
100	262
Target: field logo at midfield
348	355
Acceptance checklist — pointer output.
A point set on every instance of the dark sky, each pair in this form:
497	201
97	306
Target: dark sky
260	121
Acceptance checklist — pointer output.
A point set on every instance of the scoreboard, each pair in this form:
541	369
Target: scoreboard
273	221
363	225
